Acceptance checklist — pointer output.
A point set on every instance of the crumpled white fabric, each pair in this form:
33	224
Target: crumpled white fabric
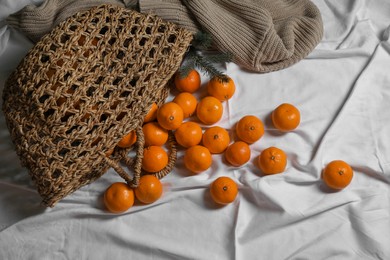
343	92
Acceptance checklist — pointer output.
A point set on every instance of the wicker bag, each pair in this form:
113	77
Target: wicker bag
83	87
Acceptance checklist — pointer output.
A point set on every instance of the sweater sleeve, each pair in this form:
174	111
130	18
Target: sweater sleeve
36	21
171	10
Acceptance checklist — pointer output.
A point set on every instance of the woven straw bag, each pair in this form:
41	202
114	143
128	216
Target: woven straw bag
83	87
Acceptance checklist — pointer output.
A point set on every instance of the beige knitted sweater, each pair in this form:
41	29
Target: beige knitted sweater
262	35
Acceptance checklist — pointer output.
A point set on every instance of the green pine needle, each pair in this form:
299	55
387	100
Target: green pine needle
132	4
202	41
206	62
219	57
206	66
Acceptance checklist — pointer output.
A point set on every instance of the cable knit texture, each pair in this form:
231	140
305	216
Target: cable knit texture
262	35
36	21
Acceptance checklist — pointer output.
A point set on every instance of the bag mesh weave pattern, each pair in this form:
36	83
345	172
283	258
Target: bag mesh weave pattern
82	87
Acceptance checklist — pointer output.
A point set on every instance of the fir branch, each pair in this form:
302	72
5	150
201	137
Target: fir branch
206	66
132	4
200	44
219	57
202	41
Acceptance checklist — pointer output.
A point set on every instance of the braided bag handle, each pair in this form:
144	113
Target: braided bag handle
136	163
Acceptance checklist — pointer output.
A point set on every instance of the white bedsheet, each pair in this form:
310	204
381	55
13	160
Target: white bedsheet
343	92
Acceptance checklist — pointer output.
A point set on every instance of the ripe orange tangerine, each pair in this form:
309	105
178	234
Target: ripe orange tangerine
209	110
272	161
128	140
238	153
222	88
187	102
119	197
189	83
154	134
286	117
223	190
216	139
250	129
170	116
188	134
152	113
197	159
155	159
149	189
337	174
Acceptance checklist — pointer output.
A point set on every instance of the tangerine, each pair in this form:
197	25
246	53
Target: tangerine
216	139
272	161
189	83
149	189
188	134
250	129
128	140
197	159
286	117
119	197
155	159
152	113
223	190
209	110
222	88
187	102
337	174
170	116
238	153
154	134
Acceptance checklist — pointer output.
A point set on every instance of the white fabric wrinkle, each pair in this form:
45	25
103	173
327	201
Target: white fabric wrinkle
355	40
333	129
4	38
362	225
338	18
371	83
378	13
14	53
297	254
263	190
